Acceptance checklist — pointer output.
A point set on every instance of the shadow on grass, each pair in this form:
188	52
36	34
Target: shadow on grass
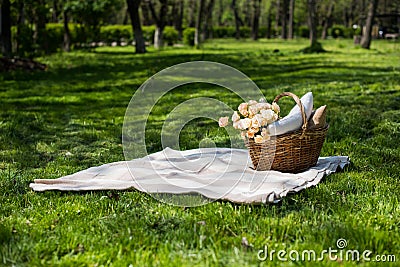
34	109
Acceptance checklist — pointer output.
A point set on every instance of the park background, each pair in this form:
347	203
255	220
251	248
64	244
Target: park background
69	69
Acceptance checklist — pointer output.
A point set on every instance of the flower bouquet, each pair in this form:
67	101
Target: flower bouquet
252	119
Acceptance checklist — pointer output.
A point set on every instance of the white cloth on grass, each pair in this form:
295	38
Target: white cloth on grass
216	173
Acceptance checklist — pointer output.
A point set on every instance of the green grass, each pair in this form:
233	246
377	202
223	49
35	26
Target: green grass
78	106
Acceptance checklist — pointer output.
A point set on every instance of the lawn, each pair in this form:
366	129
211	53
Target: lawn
70	117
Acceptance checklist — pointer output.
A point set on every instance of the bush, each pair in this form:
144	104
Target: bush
116	33
55	37
357	31
148	33
303	31
245	32
349	32
262	32
188	36
23	41
224	32
170	35
78	34
337	31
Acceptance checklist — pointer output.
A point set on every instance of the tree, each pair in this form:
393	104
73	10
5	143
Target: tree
238	21
291	19
6	47
192	13
255	19
315	46
277	14
39	34
146	16
284	14
160	19
133	10
178	17
207	25
312	21
91	14
366	37
327	20
269	20
247	12
198	24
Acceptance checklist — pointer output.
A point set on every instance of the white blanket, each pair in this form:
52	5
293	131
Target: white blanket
216	173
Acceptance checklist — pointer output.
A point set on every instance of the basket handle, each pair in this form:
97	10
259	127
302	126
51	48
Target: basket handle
298	102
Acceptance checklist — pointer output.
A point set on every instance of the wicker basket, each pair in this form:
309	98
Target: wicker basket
290	152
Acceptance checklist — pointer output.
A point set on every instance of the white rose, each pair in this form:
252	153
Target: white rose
262	106
275	107
223	122
235	116
243	109
253	110
267	114
246	123
252	102
242	124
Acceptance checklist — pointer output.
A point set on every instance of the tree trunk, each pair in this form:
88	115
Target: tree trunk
256	19
207	26
237	19
67	33
284	19
192	13
158	37
328	21
160	20
6	48
247	13
147	19
133	9
199	20
312	22
179	18
291	20
54	13
366	38
361	15
277	15
315	46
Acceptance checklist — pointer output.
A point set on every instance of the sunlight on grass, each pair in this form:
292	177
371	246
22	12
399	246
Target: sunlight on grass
70	117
